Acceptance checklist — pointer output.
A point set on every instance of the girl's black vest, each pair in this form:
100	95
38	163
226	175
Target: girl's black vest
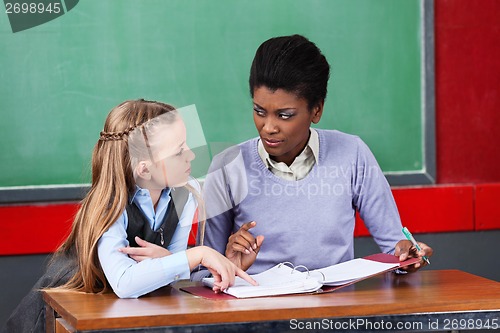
138	225
29	316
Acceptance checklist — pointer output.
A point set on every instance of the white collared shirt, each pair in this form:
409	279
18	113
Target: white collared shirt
302	164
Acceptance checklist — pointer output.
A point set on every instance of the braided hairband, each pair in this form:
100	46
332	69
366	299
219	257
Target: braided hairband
115	136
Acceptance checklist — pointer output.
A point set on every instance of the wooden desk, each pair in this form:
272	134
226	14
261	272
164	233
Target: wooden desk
426	300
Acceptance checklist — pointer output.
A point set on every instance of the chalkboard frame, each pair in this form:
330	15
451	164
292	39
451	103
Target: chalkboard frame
54	193
428	175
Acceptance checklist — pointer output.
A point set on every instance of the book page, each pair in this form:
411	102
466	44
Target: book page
350	271
278	280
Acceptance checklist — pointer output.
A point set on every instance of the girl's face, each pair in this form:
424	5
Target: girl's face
283	120
172	164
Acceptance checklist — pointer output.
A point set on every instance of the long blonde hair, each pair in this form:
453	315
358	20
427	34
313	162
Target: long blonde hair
112	183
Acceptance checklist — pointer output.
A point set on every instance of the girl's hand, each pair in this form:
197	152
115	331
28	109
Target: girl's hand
146	250
221	268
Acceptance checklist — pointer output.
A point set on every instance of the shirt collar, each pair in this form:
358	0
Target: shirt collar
139	191
311	147
314	143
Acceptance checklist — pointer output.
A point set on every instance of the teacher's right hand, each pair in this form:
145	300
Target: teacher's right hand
242	247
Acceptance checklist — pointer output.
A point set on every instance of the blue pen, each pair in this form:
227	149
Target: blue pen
410	237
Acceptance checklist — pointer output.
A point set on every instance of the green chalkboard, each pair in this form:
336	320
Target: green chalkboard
61	78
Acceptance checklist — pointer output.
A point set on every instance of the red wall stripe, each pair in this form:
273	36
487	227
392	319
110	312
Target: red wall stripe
433	209
40	228
487	201
436	209
36	229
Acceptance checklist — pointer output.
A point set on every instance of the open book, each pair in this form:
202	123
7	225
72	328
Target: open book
285	278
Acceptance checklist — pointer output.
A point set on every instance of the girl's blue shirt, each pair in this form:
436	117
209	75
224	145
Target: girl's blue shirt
131	279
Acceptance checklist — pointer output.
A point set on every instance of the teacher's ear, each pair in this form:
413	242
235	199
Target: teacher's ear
142	170
317	112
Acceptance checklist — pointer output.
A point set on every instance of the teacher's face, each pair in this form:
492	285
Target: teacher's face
283	120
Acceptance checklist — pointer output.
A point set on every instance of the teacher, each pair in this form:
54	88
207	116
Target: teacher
292	193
